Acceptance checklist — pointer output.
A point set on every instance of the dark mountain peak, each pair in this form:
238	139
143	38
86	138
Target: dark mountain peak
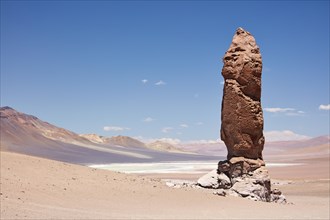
8	112
6	108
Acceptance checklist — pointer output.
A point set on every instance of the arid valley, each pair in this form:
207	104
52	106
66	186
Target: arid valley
168	109
50	186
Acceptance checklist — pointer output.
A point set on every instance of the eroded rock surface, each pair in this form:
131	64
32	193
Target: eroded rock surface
244	173
241	115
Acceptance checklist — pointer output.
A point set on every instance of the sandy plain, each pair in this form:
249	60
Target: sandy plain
36	188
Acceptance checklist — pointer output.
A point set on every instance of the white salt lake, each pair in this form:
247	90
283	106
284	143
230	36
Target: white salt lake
170	167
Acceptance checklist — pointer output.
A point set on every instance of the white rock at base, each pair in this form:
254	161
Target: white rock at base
214	180
209	180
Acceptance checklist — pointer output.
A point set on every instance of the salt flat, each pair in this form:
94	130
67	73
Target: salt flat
37	188
172	167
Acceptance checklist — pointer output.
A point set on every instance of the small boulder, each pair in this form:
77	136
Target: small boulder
255	186
220	192
209	180
214	180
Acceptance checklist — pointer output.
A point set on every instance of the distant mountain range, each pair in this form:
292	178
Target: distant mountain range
318	147
27	134
125	141
311	147
117	140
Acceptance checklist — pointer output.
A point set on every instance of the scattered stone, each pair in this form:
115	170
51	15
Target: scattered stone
180	183
170	184
279	199
281	182
276	192
220	192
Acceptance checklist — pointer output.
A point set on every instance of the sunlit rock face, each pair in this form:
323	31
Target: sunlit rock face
241	115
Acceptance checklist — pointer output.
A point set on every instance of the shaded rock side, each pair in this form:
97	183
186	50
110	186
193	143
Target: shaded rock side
254	186
241	115
238	166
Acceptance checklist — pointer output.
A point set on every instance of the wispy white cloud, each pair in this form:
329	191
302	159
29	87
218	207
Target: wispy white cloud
167	129
285	135
160	83
114	128
199	123
286	111
148	119
325	107
298	113
276	110
184	126
222	82
144	81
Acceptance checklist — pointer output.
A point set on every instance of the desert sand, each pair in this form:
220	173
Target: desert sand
36	188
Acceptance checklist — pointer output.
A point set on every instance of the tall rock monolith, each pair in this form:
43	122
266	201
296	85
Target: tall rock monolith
241	115
243	173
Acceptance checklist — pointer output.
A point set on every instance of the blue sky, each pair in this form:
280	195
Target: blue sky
153	69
